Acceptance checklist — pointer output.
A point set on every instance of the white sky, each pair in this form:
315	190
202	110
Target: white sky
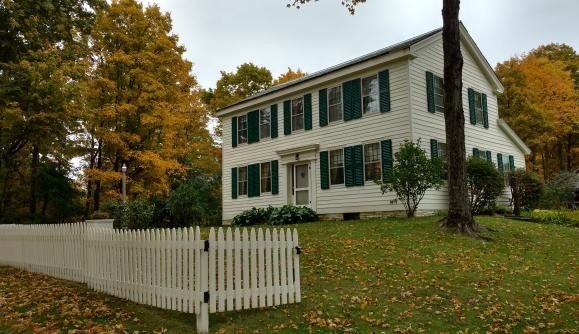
221	34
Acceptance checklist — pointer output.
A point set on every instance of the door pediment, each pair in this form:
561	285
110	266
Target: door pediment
300	153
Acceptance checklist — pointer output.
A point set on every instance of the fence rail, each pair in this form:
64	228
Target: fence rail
167	268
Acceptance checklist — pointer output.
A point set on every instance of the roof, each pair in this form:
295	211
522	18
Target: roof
387	50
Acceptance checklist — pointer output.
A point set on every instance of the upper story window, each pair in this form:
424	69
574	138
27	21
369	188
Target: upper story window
264	123
438	94
335	104
372	167
370	94
265	177
337	167
478	108
298	114
242	180
242	129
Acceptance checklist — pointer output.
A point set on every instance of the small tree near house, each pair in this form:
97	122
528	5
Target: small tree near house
485	183
412	174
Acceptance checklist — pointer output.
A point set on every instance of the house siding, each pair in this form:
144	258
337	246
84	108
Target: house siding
408	118
426	126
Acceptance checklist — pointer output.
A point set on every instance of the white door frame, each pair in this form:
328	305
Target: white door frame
308	188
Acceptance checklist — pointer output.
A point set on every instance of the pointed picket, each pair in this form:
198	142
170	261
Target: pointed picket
220	270
275	265
212	273
282	257
261	268
245	271
229	269
268	269
290	266
297	281
238	245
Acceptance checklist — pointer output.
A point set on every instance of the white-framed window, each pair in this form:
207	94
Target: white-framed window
264	123
298	114
242	129
242	181
372	166
506	164
478	108
438	94
265	177
337	167
370	94
335	104
442	152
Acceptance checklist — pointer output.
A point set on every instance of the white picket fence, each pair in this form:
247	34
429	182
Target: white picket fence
167	268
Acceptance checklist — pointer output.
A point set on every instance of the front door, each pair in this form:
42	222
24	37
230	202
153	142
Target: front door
301	186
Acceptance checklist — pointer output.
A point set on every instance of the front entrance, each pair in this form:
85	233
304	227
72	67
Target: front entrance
301	184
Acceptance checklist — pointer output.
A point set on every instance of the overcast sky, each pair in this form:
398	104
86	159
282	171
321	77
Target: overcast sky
221	34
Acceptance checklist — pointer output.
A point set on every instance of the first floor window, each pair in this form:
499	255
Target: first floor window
264	123
372	168
298	114
242	129
506	165
443	155
335	104
438	94
478	108
242	180
337	166
370	94
265	177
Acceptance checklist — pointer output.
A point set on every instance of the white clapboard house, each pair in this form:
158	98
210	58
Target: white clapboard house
321	140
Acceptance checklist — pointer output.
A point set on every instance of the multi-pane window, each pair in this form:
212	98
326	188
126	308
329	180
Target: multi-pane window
482	154
335	104
264	123
372	166
506	166
242	180
298	114
438	94
443	155
265	177
242	129
337	166
478	107
370	94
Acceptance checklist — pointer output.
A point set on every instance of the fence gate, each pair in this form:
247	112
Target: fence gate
175	269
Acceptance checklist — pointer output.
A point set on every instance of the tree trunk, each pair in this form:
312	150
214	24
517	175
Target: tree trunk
544	161
570	146
561	156
33	181
459	214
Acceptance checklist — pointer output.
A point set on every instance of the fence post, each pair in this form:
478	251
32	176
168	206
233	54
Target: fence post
203	292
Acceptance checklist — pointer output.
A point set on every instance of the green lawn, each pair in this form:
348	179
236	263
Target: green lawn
390	275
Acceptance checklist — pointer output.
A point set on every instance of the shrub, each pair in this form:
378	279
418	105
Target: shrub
287	214
412	174
526	190
567	218
560	191
137	214
484	182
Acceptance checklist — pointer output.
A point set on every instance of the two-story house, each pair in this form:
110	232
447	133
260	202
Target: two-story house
321	140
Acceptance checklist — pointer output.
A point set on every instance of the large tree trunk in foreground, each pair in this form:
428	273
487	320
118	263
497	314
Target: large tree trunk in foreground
459	214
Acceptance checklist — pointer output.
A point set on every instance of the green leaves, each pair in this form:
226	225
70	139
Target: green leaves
485	183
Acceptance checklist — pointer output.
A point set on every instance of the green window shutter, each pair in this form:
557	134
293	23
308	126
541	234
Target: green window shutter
358	165
430	91
500	162
324	170
349	166
512	162
323	106
485	111
475	152
471	108
308	111
287	117
253	180
489	156
384	83
273	109
274	177
433	148
234	182
234	131
386	146
352	99
253	126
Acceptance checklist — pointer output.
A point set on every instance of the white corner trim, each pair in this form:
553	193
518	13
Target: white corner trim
513	136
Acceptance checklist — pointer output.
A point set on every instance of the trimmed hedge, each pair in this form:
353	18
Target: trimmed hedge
287	214
566	218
